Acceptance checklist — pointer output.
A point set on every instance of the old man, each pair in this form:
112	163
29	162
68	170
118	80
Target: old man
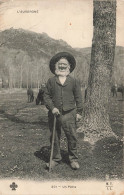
63	98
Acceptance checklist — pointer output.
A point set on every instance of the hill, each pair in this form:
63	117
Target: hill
25	57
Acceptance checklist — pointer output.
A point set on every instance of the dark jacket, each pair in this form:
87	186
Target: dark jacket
64	97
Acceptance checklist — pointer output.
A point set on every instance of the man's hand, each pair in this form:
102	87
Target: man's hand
78	117
55	111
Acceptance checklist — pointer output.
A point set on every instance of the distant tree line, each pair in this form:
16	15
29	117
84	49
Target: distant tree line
19	70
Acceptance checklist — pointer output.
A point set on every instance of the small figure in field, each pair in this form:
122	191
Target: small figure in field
63	99
121	90
114	90
85	92
30	94
40	95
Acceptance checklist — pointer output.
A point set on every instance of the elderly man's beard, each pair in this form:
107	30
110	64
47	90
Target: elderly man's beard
63	73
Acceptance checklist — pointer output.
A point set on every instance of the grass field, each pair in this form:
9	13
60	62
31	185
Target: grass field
24	145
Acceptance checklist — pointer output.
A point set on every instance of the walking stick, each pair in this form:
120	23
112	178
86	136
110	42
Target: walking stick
53	139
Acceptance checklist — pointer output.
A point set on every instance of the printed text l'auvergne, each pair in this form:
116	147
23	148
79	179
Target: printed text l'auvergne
27	11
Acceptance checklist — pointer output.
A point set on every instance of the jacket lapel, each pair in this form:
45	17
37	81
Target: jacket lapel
57	80
66	81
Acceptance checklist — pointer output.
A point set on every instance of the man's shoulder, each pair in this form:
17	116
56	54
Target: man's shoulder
72	78
75	81
51	79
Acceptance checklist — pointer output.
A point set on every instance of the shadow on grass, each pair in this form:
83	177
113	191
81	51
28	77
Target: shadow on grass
13	118
105	158
44	154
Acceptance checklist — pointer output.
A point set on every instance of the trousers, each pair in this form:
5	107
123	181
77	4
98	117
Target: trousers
66	121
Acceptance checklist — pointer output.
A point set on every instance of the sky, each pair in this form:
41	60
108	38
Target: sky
70	20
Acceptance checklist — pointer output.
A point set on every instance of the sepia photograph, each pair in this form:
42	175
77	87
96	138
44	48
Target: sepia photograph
61	97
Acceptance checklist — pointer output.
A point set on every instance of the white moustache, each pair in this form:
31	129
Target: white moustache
59	72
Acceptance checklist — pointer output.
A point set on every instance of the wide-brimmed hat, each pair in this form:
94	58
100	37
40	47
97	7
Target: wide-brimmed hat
60	55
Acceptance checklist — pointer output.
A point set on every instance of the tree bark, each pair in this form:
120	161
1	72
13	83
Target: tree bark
20	72
96	123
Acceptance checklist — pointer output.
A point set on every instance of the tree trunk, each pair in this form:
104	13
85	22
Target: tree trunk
31	79
10	78
96	123
27	77
37	77
21	76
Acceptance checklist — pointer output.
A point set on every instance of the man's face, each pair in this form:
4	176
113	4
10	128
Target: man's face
62	67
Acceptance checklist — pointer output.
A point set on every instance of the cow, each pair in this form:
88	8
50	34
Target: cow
121	90
39	98
30	94
114	90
